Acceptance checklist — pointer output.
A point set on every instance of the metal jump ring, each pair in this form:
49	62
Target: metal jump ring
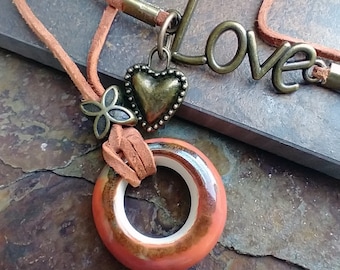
161	41
165	51
306	73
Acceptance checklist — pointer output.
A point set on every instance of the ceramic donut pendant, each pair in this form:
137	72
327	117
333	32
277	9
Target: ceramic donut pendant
193	241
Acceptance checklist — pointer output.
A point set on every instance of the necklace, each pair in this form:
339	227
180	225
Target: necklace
130	158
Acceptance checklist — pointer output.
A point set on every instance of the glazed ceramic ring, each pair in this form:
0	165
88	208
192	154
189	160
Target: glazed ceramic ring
193	241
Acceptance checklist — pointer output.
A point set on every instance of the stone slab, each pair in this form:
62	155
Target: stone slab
280	215
302	127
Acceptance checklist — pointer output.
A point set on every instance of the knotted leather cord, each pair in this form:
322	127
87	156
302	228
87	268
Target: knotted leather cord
123	143
127	143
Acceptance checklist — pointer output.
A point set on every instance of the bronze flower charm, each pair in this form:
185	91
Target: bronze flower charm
106	112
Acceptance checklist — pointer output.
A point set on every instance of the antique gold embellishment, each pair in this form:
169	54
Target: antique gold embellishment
107	111
154	96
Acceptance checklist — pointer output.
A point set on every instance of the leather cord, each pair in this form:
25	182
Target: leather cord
125	151
96	47
275	39
126	144
52	44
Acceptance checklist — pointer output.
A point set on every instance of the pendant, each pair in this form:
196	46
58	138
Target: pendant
154	96
193	241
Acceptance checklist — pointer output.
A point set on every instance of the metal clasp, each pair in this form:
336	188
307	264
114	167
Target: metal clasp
333	78
324	75
141	10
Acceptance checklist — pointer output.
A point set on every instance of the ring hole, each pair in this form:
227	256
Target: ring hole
160	206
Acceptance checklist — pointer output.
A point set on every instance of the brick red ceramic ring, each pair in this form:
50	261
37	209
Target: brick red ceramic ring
193	241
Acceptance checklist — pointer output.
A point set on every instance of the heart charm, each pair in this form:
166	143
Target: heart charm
154	96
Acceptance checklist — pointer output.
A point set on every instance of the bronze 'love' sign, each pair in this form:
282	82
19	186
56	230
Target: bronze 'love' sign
278	61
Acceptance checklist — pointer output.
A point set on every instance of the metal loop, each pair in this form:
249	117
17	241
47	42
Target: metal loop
164	50
174	24
163	40
307	73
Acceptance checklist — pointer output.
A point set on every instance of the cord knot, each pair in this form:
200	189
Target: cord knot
128	154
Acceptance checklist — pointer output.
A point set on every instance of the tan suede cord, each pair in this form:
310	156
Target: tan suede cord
96	47
274	38
50	41
125	151
320	73
126	144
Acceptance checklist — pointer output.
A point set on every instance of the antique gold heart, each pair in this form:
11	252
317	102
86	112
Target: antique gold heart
154	96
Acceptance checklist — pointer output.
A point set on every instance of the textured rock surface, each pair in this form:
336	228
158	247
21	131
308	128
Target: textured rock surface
42	127
281	215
